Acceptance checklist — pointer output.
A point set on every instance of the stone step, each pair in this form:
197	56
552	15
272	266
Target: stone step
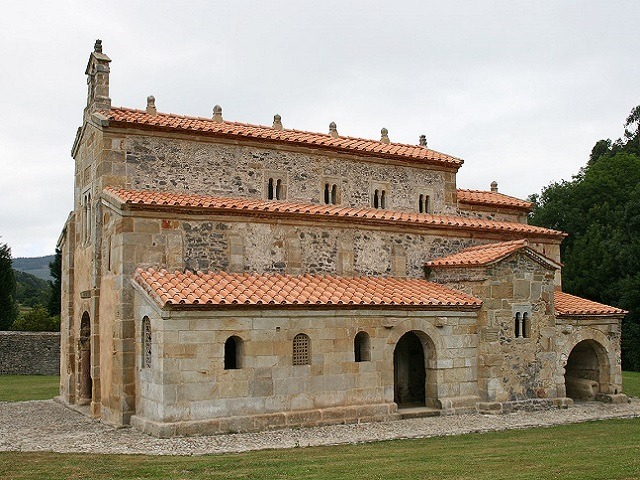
418	412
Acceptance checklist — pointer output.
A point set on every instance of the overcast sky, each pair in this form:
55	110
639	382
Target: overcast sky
521	90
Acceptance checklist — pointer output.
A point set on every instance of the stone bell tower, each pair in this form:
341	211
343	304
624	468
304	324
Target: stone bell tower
98	80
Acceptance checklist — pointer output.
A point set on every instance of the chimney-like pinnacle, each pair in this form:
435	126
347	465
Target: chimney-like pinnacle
151	105
97	47
217	114
384	138
277	122
333	130
423	141
494	186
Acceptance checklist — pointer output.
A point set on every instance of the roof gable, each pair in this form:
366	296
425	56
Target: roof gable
489	254
216	289
126	117
177	201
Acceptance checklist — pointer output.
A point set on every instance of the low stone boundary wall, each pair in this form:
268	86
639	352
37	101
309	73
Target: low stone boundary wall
29	353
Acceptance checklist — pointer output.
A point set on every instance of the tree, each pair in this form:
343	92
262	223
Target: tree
37	319
55	268
600	210
8	307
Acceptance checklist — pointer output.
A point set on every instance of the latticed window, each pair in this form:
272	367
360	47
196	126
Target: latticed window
301	349
146	342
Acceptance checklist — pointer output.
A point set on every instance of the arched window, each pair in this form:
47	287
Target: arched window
424	204
376	199
301	349
525	325
383	199
233	353
146	342
518	325
330	194
279	194
270	189
362	347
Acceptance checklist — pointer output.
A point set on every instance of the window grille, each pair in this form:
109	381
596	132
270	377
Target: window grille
301	349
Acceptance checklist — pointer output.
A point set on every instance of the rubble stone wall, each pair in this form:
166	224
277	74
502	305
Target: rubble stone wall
29	353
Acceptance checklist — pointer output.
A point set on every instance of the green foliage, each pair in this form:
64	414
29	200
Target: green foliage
586	451
8	306
600	210
19	388
55	287
37	319
31	290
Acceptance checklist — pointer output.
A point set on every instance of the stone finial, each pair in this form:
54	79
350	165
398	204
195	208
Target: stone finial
217	114
494	186
333	130
97	47
384	136
151	105
97	72
277	122
423	141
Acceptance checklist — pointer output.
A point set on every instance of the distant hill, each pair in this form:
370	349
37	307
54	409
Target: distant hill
36	266
31	290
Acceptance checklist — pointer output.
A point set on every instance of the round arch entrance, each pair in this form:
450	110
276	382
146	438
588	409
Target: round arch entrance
414	382
587	371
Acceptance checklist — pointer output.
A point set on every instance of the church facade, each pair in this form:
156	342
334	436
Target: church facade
221	276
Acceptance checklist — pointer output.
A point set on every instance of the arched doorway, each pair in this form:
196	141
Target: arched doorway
587	371
409	372
85	360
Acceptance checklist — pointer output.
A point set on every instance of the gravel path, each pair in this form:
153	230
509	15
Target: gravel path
49	426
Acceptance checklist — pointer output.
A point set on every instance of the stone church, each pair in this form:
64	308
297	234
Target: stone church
220	276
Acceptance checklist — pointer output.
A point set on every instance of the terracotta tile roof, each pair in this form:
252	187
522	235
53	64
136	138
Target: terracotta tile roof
488	254
236	289
570	305
126	117
243	206
492	199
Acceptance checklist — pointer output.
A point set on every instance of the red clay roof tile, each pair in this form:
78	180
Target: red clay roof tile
175	200
488	254
570	305
492	199
220	288
125	117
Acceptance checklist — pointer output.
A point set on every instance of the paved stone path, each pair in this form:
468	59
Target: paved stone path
49	426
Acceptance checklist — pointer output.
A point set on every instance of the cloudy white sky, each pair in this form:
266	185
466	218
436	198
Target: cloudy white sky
521	90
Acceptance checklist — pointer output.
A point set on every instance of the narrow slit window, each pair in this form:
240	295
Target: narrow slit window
376	199
270	189
383	199
518	325
146	342
279	190
326	194
334	194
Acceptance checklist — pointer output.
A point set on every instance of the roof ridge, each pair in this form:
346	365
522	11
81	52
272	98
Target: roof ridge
388	147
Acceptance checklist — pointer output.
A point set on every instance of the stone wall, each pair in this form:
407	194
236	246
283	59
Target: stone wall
186	389
243	171
29	353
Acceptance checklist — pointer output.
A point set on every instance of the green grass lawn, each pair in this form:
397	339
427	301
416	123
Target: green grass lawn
17	388
593	450
631	383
